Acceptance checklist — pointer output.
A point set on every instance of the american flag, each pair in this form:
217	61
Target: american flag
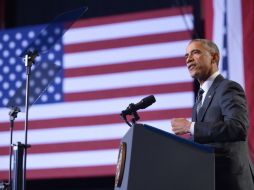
107	63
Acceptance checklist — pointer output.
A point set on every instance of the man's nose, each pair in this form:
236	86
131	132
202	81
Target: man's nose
189	58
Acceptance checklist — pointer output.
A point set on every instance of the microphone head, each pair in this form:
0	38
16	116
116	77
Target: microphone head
145	102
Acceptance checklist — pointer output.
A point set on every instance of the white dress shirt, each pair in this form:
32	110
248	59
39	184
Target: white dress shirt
205	86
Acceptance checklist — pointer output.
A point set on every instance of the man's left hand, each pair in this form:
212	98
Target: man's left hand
180	126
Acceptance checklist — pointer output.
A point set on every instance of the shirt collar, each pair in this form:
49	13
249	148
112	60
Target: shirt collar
208	83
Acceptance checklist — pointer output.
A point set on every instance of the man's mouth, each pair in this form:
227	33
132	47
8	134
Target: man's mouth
191	66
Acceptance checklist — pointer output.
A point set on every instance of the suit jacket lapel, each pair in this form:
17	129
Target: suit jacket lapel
209	97
194	112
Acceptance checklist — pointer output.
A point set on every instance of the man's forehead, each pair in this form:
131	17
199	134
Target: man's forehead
194	45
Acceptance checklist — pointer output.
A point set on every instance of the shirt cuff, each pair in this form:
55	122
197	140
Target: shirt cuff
192	128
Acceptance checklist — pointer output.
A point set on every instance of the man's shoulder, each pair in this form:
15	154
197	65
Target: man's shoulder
226	84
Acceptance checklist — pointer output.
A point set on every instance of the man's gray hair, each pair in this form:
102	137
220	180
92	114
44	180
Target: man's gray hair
212	47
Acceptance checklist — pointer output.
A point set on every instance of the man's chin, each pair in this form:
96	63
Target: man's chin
193	74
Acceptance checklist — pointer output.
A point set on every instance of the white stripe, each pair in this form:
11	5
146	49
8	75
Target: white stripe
89	158
235	41
218	26
77	133
126	54
68	134
234	38
129	29
127	79
102	106
70	159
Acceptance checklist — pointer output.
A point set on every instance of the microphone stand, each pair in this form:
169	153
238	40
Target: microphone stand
29	61
13	114
134	115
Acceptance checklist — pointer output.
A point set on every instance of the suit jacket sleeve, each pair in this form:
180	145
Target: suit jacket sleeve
226	118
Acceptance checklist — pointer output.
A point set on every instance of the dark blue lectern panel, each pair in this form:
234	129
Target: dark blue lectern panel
157	160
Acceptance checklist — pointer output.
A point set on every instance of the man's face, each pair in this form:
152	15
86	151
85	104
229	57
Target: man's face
200	62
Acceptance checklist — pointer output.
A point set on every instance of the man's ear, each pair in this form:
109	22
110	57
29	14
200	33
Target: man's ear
215	58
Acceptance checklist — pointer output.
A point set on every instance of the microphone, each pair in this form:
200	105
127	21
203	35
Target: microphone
144	103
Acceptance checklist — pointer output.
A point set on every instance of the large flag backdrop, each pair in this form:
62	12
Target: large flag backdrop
230	23
108	62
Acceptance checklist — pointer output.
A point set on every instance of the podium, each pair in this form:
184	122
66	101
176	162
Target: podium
151	159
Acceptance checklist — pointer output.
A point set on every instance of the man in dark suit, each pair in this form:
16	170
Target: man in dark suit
219	118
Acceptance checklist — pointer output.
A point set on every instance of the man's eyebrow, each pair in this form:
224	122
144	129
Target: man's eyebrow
197	50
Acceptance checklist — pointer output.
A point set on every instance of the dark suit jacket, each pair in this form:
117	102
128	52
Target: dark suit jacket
222	122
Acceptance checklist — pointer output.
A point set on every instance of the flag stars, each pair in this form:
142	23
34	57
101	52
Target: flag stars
51	89
44	48
51	72
23	76
18	52
6	69
51	56
32	83
12	77
12	45
37	90
12	60
18	101
44	65
57	31
44	98
5	101
38	59
6	37
58	62
37	42
31	34
18	36
57	97
6	53
44	81
57	80
57	47
6	85
24	43
18	68
38	74
11	92
18	84
44	33
50	40
31	99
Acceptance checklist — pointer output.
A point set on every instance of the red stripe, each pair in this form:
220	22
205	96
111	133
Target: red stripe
67	147
127	92
133	17
125	42
125	67
248	41
67	172
97	120
208	11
